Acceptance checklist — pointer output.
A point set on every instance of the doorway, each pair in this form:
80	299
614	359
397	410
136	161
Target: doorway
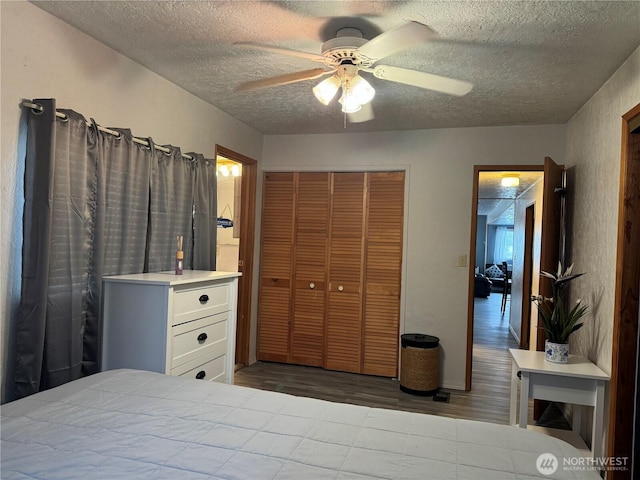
244	211
504	207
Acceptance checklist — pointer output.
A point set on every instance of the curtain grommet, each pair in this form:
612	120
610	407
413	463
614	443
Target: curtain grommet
36	109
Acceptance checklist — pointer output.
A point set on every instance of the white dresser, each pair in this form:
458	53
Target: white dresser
181	325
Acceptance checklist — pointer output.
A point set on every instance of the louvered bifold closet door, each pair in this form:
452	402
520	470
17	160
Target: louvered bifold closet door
383	271
344	309
310	252
276	267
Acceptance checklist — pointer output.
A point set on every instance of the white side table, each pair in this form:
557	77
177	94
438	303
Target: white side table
578	382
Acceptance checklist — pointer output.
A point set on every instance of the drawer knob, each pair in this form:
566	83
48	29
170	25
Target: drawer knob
202	337
312	285
340	288
204	298
201	374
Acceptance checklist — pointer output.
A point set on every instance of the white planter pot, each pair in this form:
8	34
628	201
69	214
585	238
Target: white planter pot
556	352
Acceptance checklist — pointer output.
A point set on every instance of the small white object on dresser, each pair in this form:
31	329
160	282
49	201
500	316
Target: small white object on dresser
183	325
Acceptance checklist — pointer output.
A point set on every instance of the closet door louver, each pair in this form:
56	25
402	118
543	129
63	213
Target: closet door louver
310	252
276	267
383	273
346	241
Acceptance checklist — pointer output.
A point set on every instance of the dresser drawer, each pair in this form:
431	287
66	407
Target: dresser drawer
192	303
213	369
206	336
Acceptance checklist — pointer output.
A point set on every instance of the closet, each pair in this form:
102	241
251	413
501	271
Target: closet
330	270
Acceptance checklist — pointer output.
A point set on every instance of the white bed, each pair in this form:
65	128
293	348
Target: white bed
128	424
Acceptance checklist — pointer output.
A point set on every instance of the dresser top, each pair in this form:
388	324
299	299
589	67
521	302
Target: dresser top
170	278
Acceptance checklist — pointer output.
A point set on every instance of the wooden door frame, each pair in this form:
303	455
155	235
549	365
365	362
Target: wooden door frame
246	248
527	276
625	320
472	251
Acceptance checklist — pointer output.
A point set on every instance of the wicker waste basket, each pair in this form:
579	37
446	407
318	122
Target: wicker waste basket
420	364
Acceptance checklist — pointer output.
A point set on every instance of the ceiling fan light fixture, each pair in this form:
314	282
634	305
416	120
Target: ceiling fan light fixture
327	89
510	180
362	90
349	101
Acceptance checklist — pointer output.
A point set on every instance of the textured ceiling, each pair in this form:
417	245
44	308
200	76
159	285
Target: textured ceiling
531	62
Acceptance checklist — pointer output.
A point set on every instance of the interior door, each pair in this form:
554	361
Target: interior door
346	257
549	246
274	314
550	235
383	272
310	255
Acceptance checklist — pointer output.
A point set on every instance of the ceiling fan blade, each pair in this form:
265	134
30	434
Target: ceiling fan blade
283	51
282	80
363	115
395	40
429	81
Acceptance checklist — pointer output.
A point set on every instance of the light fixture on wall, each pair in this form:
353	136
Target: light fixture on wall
510	180
229	168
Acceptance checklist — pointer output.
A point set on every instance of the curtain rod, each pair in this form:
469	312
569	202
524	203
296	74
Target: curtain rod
39	108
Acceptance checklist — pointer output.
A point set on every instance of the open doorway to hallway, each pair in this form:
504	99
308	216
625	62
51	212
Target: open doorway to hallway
505	246
503	222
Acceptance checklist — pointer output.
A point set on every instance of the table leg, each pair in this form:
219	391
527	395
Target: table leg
576	423
598	419
514	394
524	399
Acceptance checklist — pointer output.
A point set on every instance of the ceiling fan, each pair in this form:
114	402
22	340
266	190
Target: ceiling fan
345	56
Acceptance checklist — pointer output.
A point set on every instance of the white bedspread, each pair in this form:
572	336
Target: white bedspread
128	424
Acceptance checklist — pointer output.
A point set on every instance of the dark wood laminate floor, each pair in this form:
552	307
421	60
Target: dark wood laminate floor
488	399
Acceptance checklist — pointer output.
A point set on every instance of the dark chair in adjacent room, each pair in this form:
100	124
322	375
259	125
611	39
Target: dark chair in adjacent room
506	286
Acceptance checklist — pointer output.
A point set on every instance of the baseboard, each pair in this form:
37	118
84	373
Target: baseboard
513	334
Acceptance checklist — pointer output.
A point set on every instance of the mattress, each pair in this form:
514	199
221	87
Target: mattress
129	424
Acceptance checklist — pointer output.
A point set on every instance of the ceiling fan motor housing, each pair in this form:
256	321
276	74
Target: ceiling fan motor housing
342	49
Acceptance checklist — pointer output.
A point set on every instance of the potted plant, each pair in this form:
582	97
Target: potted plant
558	320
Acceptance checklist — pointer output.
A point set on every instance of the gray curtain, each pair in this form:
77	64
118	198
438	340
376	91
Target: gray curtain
95	204
120	225
205	213
38	212
171	208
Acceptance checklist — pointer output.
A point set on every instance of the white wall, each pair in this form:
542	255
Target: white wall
44	57
593	173
439	166
593	162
